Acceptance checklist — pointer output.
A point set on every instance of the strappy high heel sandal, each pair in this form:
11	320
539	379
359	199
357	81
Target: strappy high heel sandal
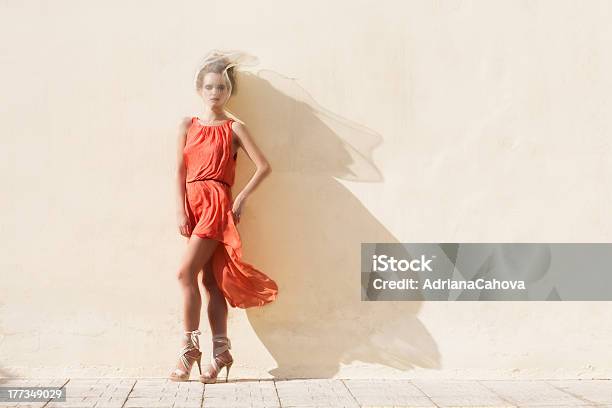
221	344
189	354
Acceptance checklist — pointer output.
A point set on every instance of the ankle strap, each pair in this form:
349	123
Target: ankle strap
221	344
193	338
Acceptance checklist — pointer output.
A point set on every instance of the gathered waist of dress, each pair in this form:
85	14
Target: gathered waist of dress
213	179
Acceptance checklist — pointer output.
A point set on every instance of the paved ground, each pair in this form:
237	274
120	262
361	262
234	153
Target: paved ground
132	393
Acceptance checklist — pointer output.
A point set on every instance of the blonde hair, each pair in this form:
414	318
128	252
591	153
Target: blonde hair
221	66
224	63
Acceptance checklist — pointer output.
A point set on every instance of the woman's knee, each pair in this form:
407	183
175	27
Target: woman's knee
186	276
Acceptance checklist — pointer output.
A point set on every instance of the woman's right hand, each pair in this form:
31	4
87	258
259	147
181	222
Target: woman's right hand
183	224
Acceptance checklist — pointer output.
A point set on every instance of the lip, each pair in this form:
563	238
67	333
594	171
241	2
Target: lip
214	99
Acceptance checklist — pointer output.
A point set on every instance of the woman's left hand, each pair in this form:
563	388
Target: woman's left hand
237	208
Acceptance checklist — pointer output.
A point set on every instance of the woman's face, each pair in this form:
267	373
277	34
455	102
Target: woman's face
214	90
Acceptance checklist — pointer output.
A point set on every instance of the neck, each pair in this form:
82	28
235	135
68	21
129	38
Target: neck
212	114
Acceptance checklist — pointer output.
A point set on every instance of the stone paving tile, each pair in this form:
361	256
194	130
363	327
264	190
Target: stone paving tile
110	402
23	404
387	393
256	394
460	393
95	393
79	402
163	393
594	391
314	392
307	393
33	382
525	393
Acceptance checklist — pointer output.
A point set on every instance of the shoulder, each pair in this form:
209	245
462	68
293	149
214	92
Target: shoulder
238	127
185	122
184	125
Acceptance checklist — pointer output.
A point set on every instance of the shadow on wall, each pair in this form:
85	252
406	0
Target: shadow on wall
303	228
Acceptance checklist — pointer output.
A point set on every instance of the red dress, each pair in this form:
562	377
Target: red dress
208	203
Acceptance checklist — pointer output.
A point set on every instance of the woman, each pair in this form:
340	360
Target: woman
207	215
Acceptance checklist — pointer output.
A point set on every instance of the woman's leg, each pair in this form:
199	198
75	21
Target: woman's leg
217	305
217	317
199	251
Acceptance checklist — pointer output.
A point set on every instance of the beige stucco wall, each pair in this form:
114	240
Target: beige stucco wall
403	121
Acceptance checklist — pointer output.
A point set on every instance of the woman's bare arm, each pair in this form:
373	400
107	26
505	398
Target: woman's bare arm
181	172
251	149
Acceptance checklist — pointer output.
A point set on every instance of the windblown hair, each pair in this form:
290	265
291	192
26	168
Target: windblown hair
224	62
219	66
